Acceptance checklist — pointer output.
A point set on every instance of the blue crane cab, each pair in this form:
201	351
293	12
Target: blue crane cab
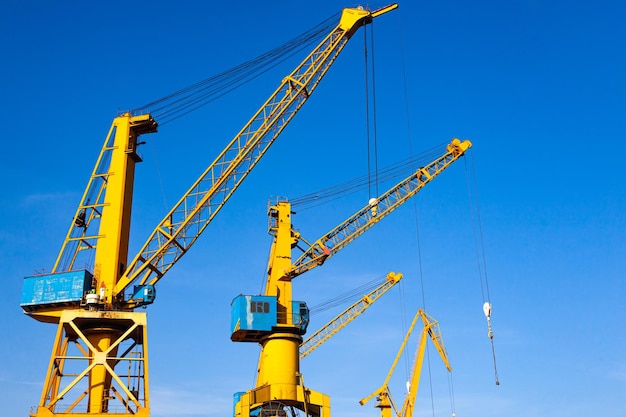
254	316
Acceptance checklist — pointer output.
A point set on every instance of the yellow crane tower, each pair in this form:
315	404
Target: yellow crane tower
99	360
383	394
277	322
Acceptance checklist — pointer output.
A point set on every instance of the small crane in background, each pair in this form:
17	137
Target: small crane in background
383	394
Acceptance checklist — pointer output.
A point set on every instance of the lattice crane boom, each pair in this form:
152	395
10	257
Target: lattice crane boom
364	219
347	316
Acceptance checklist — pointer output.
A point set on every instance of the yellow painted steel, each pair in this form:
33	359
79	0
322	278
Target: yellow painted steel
107	199
279	364
113	210
279	383
383	395
112	250
85	375
352	19
431	329
106	207
280	260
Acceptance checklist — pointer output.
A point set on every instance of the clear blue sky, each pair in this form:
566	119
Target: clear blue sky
540	89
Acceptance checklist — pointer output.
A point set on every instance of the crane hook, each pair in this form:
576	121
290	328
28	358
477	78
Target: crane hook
487	311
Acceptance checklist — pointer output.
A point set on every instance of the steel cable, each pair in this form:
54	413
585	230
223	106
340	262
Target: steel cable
400	169
195	96
348	296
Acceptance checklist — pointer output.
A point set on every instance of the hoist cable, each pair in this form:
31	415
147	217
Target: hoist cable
370	127
188	99
400	169
350	295
480	258
420	268
480	229
430	380
403	312
415	208
193	102
374	118
416	218
261	61
451	390
495	366
367	115
479	246
476	243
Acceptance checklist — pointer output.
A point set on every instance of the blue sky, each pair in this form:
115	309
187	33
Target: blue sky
537	86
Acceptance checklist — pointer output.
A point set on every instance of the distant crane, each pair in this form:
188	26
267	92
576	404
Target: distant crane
383	394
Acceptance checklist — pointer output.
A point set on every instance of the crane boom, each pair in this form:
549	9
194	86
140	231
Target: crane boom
346	316
191	215
362	220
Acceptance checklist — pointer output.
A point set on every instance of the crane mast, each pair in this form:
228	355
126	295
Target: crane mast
100	226
103	340
98	332
108	197
277	322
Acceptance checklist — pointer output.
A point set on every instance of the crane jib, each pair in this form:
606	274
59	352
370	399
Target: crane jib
366	217
227	172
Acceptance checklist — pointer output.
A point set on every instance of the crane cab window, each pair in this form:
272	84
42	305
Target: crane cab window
259	307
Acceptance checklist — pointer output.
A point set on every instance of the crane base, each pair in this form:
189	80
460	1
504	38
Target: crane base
98	366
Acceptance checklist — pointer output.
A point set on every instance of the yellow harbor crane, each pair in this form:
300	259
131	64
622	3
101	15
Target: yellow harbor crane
277	322
99	360
383	394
